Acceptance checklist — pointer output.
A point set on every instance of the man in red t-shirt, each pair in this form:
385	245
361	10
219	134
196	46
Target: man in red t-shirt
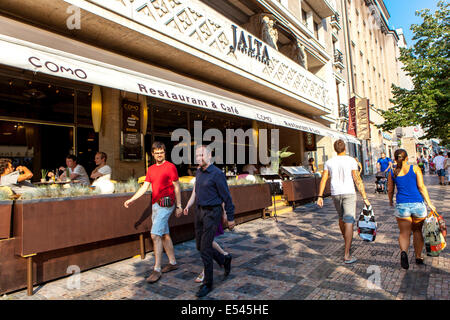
163	177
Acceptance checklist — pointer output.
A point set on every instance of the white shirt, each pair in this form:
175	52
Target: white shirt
82	174
439	161
105	170
340	170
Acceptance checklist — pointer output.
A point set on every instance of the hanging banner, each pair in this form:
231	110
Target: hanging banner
352	117
362	119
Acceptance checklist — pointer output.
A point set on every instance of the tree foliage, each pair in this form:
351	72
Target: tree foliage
427	63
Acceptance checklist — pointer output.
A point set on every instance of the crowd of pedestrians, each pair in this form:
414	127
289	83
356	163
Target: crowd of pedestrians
214	207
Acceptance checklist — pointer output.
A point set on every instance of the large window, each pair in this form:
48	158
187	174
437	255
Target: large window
42	120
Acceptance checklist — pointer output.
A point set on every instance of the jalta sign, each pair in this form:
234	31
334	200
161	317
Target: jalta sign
250	46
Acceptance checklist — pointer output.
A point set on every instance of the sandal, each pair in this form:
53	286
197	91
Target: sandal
200	277
350	261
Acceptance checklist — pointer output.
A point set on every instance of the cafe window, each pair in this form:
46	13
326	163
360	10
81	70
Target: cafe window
83	103
167	119
29	99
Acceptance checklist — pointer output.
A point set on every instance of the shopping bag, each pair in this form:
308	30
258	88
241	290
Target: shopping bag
432	234
367	227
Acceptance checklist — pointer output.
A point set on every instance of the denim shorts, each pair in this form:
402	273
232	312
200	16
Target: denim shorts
160	219
416	210
345	205
441	173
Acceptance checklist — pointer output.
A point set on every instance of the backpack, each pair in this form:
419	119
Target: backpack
367	227
432	234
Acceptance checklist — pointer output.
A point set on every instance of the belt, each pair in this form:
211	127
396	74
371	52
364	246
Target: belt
209	207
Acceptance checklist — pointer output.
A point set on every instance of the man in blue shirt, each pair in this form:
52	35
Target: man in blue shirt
210	191
384	165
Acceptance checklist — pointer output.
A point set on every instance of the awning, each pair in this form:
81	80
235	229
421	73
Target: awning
171	87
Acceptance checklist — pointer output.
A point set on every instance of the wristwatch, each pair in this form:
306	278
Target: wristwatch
180	207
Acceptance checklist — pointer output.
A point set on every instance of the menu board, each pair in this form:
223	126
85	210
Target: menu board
131	140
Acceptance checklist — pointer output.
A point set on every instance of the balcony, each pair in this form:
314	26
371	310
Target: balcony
322	7
336	21
343	111
338	59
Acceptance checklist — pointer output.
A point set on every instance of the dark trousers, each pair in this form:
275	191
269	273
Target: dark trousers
206	224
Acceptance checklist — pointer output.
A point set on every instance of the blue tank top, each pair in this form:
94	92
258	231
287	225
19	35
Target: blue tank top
407	190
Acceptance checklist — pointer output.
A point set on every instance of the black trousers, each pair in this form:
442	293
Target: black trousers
206	224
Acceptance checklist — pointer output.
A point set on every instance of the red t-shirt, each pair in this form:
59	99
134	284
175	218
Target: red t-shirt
161	178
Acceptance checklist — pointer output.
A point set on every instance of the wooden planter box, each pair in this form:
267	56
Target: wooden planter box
50	224
5	218
303	189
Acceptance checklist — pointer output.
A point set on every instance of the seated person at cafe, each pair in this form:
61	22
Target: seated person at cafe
15	179
102	168
311	165
76	171
250	169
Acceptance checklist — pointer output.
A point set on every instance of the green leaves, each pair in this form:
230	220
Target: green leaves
428	64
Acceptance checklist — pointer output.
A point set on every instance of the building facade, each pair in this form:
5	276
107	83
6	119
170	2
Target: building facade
232	64
371	51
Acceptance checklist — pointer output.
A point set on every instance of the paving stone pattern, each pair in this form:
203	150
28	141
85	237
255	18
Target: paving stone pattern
298	257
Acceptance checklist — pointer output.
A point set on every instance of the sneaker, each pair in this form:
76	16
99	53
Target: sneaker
419	261
154	276
404	260
169	267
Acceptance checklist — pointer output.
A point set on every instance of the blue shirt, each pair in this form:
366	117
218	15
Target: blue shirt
384	163
211	189
407	190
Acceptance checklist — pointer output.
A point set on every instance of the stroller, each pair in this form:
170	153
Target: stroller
432	169
380	183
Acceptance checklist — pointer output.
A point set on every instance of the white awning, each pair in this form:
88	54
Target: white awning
37	58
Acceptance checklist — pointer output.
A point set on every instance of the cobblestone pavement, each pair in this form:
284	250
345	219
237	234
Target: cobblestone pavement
298	257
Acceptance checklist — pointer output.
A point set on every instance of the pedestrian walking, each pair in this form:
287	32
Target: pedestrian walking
447	166
439	162
384	164
344	173
163	177
210	191
410	207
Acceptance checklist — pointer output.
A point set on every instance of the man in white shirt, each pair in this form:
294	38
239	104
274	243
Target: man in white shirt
344	174
76	171
17	179
102	168
439	162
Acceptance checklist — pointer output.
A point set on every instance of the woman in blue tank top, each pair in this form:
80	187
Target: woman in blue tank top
410	207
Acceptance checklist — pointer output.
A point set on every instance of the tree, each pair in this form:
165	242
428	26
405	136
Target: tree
427	63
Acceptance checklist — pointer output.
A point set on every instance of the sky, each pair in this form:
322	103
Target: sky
402	14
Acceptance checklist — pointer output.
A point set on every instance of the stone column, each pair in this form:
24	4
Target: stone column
109	136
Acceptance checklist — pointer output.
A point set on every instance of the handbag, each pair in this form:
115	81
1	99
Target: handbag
367	227
165	202
433	235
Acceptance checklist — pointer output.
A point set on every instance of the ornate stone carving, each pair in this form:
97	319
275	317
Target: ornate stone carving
262	25
295	51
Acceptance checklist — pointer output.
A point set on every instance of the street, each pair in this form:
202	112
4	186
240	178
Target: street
298	257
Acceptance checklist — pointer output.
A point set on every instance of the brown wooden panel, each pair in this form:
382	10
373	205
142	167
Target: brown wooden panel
49	225
300	189
5	219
